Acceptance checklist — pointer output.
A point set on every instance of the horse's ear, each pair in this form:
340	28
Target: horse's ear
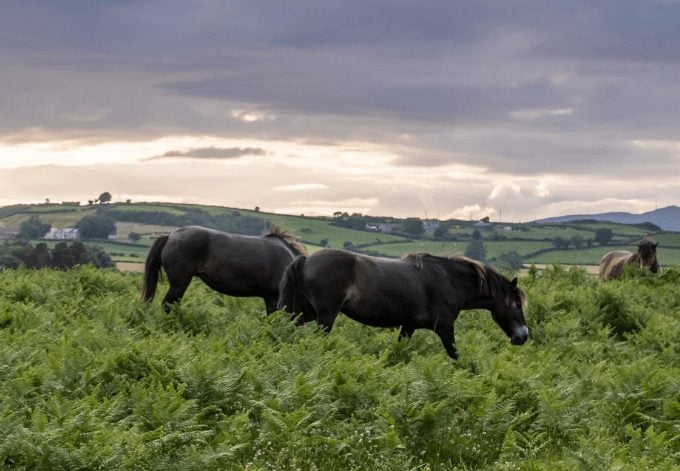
514	282
656	245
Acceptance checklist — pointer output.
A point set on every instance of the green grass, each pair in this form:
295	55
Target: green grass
55	218
591	256
150	207
493	248
314	230
92	378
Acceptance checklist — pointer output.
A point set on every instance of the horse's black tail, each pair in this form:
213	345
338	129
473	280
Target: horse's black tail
152	268
292	297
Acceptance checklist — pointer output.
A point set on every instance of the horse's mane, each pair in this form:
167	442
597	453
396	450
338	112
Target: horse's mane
490	282
286	236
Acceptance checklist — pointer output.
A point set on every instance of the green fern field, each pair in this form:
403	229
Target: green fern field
92	378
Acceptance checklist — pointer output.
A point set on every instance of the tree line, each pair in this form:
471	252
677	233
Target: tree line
229	222
62	256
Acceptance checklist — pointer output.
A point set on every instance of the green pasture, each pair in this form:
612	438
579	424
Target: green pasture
58	218
123	230
591	256
93	378
150	207
314	230
667	239
493	248
541	232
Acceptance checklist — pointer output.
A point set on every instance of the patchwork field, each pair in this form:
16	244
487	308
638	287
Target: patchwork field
535	243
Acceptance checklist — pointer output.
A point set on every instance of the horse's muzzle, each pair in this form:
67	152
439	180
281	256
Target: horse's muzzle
520	336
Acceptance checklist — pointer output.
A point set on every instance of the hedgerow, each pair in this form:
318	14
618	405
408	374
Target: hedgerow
92	378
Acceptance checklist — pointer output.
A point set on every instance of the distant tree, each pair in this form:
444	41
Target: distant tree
96	227
257	209
347	245
105	197
560	242
9	261
134	236
62	257
476	250
33	228
128	201
603	236
79	252
510	261
414	226
324	242
440	232
577	241
476	234
99	257
40	257
21	250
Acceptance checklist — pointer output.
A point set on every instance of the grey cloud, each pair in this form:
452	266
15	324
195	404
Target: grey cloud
451	75
211	153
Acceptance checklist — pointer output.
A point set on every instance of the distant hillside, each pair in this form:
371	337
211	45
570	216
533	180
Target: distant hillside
667	218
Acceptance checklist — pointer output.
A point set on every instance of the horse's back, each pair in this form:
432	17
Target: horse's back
612	264
376	291
230	263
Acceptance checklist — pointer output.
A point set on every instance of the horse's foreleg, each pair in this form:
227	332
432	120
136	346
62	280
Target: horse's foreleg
326	319
270	303
445	332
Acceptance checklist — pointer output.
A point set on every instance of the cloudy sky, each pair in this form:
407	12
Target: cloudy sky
512	109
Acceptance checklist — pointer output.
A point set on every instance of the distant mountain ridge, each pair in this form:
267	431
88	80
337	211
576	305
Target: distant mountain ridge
667	218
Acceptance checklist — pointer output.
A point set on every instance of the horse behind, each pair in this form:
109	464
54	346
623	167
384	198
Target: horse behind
232	264
417	292
613	263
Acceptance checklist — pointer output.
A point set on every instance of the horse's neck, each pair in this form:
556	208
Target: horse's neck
479	303
465	279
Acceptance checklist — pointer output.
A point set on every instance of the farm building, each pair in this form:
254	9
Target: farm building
63	233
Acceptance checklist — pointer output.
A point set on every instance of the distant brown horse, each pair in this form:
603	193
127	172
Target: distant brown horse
421	291
232	264
613	263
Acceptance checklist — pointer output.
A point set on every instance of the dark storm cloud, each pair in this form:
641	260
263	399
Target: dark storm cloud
517	86
211	153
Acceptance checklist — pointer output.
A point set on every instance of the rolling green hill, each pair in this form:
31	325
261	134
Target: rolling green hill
535	243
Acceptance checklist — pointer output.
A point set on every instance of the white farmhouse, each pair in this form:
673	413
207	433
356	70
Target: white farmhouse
63	233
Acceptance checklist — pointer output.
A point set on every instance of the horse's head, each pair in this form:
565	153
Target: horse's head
509	315
647	254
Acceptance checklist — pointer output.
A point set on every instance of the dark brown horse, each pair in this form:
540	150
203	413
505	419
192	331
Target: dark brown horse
232	264
613	263
417	292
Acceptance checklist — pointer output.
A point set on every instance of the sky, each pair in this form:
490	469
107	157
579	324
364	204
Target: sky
516	110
